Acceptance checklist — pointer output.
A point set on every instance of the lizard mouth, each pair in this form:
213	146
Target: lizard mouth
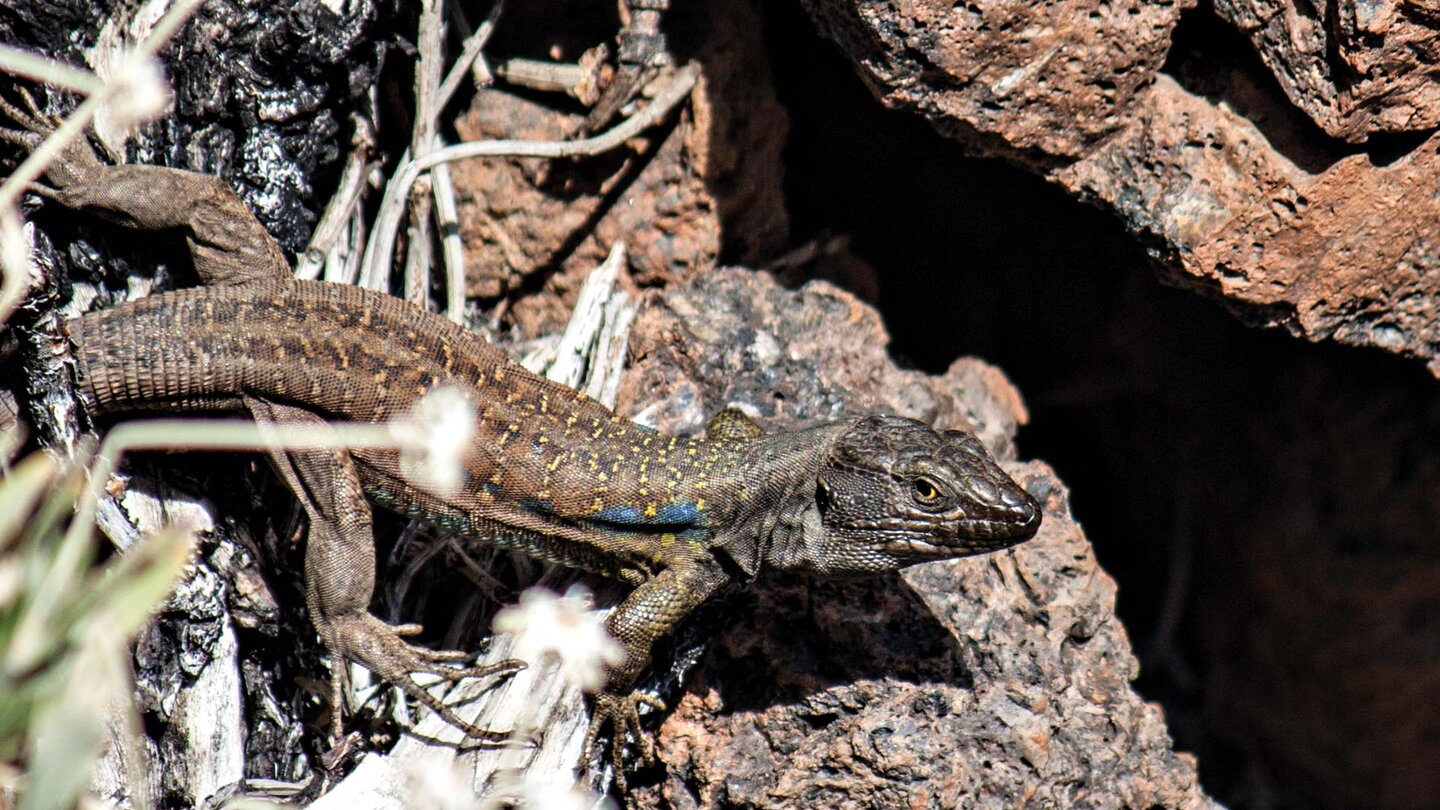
915	547
973	535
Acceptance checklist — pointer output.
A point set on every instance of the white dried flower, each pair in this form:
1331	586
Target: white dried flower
537	789
564	628
142	95
438	784
433	439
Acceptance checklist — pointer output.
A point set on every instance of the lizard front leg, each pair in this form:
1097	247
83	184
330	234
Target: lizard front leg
228	245
340	578
652	610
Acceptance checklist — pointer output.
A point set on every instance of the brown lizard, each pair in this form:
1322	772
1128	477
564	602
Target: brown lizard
550	473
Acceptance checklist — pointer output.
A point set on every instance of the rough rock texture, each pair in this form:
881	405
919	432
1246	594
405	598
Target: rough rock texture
681	198
1355	68
1000	75
1291	231
998	681
1318	649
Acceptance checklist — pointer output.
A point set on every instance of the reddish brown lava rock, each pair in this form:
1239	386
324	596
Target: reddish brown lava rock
1360	69
1291	234
1243	198
1042	80
677	196
996	681
1347	252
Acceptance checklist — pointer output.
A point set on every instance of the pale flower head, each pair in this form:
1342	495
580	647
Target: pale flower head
562	628
142	95
433	439
438	784
534	789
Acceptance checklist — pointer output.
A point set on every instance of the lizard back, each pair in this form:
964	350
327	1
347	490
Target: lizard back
343	351
544	459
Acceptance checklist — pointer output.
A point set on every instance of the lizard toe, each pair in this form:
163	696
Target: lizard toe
381	649
622	716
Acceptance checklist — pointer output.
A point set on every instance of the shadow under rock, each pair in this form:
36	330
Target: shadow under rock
790	638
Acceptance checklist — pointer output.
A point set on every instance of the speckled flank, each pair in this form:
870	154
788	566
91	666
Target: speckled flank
349	354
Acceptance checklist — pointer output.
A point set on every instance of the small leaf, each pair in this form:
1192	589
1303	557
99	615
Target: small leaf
126	596
27	482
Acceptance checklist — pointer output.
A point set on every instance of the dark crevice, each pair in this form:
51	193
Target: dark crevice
1211	59
1191	443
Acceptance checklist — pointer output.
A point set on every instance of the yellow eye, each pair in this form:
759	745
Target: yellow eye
925	490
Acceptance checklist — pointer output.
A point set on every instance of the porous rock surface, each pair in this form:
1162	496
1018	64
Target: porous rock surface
1357	70
996	681
679	197
1290	228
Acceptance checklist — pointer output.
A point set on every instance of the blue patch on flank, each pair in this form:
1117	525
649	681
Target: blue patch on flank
678	513
624	515
539	507
671	514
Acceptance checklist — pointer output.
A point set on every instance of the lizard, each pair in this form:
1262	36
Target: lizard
550	472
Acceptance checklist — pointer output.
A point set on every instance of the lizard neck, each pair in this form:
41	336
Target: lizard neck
776	498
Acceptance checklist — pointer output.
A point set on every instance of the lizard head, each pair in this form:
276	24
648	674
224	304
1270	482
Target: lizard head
892	492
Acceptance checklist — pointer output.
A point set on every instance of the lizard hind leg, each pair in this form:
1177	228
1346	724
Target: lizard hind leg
340	579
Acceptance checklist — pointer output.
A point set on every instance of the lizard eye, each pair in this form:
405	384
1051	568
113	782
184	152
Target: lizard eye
925	490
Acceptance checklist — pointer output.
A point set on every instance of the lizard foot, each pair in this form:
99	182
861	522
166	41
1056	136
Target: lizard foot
381	648
622	715
32	126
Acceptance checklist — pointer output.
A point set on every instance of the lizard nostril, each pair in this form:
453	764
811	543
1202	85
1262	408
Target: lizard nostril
1028	516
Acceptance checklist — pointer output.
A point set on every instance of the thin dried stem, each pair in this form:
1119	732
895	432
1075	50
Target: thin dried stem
380	252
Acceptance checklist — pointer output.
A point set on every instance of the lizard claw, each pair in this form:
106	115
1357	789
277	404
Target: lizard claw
622	715
31	120
69	169
381	649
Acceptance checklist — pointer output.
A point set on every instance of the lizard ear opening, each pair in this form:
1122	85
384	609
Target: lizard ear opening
822	495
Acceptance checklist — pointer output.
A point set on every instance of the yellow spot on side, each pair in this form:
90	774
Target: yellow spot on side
597	506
